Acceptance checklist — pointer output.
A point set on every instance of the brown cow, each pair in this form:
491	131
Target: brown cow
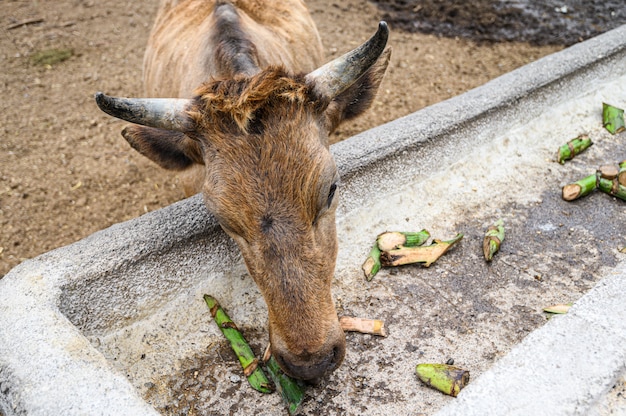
257	127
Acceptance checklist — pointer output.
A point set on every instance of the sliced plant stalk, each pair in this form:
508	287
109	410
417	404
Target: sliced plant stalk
612	118
580	188
363	325
424	254
388	241
558	308
251	369
608	171
446	378
372	263
612	187
391	240
572	148
290	390
493	239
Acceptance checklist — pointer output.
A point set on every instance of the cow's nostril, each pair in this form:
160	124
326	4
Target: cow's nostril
311	366
339	351
310	370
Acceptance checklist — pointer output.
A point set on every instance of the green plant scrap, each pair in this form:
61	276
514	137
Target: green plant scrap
390	240
446	378
422	254
579	188
251	369
396	239
493	239
572	148
372	263
291	391
613	118
608	179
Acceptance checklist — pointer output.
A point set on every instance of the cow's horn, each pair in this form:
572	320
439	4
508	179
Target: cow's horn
337	75
163	113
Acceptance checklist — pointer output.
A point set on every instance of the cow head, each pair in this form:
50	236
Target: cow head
271	182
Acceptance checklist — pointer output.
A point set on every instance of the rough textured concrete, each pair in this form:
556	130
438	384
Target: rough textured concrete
563	368
116	321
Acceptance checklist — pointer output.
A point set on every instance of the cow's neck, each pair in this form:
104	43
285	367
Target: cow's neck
235	53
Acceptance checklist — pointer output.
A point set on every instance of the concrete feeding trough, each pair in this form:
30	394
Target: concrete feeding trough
115	323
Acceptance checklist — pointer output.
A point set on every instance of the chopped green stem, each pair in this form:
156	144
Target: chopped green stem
446	378
424	254
573	148
493	239
249	362
612	187
372	263
391	240
416	239
580	188
290	390
613	118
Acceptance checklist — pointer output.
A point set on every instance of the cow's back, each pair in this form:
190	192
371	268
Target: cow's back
180	54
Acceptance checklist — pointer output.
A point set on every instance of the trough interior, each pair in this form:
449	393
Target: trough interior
148	318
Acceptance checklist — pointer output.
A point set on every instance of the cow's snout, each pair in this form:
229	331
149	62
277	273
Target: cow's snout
312	365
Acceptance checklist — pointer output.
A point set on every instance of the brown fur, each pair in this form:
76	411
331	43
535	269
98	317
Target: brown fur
281	32
244	99
258	149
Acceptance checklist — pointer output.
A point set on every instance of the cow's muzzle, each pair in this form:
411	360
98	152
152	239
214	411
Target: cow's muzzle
312	366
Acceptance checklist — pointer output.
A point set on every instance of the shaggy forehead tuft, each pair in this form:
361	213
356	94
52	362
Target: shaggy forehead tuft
242	97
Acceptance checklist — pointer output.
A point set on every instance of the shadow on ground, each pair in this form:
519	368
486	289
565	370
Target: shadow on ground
549	22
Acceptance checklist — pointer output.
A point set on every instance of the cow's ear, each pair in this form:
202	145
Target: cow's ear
359	96
171	150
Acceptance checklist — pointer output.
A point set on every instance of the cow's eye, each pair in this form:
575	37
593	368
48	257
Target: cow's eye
331	194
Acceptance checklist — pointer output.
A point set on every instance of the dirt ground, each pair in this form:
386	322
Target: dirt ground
65	170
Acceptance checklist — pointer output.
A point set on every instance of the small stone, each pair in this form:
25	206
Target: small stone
235	379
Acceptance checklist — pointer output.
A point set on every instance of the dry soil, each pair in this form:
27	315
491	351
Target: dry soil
65	170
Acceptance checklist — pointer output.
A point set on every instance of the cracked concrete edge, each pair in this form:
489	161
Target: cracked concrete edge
563	368
46	364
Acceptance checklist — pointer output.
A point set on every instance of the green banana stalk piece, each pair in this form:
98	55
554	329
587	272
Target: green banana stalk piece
372	263
608	180
251	369
423	254
493	239
290	390
573	148
580	188
612	118
612	187
391	240
446	378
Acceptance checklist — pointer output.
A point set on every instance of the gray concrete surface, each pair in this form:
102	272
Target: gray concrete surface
115	323
565	367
